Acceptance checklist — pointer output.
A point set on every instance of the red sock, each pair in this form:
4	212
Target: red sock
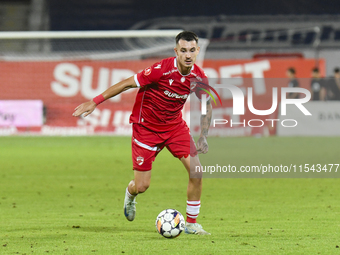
193	209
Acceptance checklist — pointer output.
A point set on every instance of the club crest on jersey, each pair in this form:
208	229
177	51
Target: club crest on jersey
193	85
147	71
182	79
140	160
171	81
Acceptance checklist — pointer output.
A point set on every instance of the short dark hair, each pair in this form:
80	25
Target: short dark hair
315	70
187	35
291	70
336	70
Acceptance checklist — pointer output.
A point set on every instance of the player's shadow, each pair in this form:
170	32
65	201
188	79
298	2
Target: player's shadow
104	229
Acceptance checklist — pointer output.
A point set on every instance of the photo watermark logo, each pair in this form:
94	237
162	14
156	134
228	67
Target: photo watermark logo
239	104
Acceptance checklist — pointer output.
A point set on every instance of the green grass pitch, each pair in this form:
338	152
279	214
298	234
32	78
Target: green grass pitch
64	195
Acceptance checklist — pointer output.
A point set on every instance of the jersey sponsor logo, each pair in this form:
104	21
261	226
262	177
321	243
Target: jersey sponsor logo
140	160
170	72
158	66
175	95
171	81
147	71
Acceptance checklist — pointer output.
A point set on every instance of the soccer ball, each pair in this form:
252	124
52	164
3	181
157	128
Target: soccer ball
170	223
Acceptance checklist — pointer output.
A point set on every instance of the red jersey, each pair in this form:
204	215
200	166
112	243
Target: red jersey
162	94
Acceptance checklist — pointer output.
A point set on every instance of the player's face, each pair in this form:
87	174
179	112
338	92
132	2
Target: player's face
186	53
289	74
315	75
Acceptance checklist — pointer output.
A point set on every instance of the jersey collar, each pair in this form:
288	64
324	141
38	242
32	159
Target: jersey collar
175	65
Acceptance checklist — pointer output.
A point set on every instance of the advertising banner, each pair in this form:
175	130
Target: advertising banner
21	113
61	86
323	121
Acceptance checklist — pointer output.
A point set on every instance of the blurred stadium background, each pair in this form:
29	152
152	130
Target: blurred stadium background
243	39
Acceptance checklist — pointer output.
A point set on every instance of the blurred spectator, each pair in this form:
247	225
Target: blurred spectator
333	86
293	82
317	86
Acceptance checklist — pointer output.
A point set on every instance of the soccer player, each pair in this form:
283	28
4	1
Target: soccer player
317	86
333	86
157	122
293	82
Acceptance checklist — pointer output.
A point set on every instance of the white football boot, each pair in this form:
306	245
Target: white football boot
129	208
195	228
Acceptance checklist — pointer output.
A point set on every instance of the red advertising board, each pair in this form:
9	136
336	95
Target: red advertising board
64	85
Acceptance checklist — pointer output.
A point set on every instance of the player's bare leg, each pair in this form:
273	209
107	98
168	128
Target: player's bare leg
195	182
139	184
194	192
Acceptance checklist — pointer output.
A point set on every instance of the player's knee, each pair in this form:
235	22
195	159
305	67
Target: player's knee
142	187
196	181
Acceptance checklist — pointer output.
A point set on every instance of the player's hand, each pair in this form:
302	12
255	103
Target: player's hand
86	108
202	145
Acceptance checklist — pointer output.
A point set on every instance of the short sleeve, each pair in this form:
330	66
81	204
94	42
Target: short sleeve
200	87
149	75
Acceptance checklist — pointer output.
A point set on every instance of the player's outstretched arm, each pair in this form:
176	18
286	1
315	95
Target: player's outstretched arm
88	107
202	144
